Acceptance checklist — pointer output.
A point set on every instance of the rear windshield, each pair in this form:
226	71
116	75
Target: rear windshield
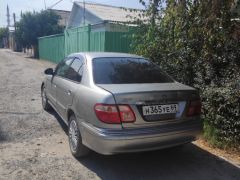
116	70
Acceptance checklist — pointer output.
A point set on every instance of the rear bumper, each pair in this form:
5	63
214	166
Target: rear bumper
109	141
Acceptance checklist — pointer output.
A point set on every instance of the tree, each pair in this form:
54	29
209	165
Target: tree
193	40
35	25
3	34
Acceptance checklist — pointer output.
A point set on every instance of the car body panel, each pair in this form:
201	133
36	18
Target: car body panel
84	102
109	141
51	89
65	91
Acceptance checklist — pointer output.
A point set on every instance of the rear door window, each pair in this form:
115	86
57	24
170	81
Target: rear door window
74	70
63	67
116	70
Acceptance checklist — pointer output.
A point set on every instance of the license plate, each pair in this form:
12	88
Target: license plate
160	109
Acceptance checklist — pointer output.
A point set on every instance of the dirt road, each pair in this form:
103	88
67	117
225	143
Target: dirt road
34	145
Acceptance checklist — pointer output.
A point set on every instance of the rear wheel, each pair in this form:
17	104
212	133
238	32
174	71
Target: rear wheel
75	139
45	104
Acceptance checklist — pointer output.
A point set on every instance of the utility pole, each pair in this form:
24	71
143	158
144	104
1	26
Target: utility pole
8	17
84	12
8	25
14	37
45	4
14	20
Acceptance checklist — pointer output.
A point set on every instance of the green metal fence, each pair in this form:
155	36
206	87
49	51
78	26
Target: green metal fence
52	48
98	38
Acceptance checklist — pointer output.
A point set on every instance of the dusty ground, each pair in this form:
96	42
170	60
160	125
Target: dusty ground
33	143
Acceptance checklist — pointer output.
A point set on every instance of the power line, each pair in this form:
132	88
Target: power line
50	7
45	4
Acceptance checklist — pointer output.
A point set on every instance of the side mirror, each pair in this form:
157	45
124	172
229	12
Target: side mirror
49	71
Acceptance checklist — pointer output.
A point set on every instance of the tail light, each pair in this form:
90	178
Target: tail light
114	114
107	113
126	113
194	108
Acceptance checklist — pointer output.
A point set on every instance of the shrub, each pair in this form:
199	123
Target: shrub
194	42
221	107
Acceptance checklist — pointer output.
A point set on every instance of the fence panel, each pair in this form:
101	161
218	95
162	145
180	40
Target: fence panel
97	41
118	38
76	40
52	48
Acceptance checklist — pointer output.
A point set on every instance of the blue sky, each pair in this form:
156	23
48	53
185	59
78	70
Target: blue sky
29	5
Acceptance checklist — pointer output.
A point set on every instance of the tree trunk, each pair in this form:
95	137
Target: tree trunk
35	51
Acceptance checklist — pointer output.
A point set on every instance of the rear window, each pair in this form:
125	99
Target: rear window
116	70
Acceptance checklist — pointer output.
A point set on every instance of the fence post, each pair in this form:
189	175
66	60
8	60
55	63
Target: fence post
65	43
89	38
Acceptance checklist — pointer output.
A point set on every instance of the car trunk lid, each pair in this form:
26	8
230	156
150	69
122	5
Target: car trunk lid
152	94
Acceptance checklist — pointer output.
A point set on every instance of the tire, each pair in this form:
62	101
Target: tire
75	139
46	106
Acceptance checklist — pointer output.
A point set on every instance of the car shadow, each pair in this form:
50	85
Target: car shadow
187	162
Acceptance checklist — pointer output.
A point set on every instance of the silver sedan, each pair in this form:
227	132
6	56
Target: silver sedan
117	103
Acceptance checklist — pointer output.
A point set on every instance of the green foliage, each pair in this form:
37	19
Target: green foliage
222	115
34	25
193	41
3	34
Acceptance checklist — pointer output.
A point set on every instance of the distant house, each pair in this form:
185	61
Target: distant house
64	16
91	13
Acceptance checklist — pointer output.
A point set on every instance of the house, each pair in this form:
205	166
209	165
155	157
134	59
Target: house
64	15
84	13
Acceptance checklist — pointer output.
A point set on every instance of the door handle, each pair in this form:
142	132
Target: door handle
69	92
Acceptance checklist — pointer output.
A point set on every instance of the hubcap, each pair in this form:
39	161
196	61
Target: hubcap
73	135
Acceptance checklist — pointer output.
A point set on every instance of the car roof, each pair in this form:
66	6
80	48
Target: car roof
92	55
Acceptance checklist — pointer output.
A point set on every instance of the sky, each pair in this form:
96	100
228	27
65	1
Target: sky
16	6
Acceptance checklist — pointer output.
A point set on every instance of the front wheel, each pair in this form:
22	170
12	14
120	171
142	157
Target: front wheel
75	139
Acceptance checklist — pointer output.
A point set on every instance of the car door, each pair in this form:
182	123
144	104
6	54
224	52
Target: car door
66	86
51	85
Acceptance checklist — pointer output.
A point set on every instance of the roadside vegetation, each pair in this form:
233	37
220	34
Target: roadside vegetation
33	25
3	35
197	42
